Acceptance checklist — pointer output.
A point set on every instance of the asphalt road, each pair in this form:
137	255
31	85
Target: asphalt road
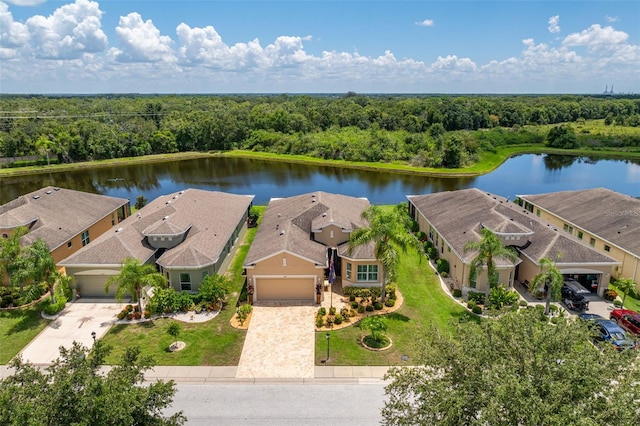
280	404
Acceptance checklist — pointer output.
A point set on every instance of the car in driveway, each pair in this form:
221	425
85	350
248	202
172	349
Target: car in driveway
608	331
573	296
627	319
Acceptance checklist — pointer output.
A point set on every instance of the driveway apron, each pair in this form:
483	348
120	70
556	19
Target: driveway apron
280	343
76	323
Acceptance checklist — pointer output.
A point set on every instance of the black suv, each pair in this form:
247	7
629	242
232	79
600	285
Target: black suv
573	299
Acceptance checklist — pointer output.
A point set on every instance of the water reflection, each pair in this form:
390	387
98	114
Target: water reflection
524	174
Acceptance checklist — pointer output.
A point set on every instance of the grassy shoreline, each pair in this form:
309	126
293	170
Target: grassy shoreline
488	162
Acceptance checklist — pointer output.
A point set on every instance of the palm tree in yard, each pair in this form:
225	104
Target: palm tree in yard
626	286
133	277
551	277
389	229
489	248
40	265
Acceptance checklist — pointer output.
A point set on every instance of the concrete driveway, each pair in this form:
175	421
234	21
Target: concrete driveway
280	343
76	323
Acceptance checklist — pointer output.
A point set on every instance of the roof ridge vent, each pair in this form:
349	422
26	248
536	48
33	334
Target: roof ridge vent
49	192
165	218
119	230
35	197
282	232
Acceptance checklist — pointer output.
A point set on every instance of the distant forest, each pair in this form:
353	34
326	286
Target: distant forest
433	131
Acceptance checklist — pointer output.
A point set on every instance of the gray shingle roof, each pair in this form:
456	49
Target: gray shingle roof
212	217
57	214
287	224
610	215
460	215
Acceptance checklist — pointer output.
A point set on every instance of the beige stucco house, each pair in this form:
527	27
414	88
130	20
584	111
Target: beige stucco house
290	255
606	220
67	220
187	235
451	219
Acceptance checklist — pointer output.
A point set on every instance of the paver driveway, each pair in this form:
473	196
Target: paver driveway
76	323
280	343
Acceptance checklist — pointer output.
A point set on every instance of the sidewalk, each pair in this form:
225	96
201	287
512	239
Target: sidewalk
202	375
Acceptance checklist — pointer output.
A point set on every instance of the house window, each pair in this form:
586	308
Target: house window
568	228
580	234
367	273
538	212
449	249
113	219
284	261
348	271
204	274
331	234
592	241
607	248
69	244
85	238
185	281
473	278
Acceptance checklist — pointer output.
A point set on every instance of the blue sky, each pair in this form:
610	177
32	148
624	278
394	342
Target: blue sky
175	46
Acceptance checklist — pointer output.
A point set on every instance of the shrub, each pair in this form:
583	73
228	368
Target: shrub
53	308
369	308
610	294
617	303
390	289
471	304
243	312
477	297
129	316
360	309
332	310
523	303
421	235
352	298
329	322
554	320
457	292
344	312
338	319
322	312
389	303
147	314
442	266
477	310
553	309
354	305
319	321
375	291
129	308
137	315
122	314
377	306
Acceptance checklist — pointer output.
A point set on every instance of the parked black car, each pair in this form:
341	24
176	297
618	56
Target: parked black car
573	299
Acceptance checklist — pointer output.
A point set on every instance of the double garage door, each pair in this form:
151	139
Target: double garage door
290	288
91	284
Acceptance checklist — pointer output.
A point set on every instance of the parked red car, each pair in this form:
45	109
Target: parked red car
627	319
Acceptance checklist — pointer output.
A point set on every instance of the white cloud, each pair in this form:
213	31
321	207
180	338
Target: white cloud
554	24
611	18
13	34
25	2
426	23
71	31
596	37
453	63
141	41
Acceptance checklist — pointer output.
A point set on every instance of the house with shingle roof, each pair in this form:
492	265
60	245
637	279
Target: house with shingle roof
188	235
452	219
299	236
65	219
606	220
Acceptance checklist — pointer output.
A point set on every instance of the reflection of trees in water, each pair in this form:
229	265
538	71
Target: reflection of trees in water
557	162
143	177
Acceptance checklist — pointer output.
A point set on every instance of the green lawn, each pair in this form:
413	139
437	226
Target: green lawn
214	342
629	302
17	328
424	303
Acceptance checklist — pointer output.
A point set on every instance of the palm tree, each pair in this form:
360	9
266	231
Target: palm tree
40	265
626	286
133	277
489	248
390	231
11	260
550	277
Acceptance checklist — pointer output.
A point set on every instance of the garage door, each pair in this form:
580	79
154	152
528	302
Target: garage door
291	288
91	285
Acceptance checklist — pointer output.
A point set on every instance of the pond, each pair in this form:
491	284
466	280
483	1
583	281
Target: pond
524	174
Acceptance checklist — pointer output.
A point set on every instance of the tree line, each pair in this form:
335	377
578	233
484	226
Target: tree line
436	131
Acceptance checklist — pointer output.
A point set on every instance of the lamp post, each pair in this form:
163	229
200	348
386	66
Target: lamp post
93	335
328	336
